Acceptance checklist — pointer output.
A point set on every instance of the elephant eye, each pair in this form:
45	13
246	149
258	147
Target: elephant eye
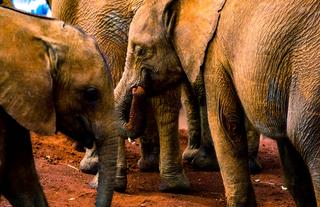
91	94
140	51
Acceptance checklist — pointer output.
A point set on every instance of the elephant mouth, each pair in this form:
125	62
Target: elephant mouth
85	138
133	118
77	128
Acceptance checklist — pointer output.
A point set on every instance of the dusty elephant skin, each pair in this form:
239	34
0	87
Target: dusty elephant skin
46	85
108	22
259	59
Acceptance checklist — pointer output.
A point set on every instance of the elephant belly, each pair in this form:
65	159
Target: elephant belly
261	48
265	103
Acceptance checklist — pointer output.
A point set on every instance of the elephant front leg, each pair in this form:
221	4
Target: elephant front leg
149	161
253	138
166	109
21	184
199	152
192	114
226	120
89	163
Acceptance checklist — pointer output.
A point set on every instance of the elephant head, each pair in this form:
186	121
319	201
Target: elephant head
7	3
53	77
162	48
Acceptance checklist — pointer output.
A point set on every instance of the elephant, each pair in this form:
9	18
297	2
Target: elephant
259	61
110	28
53	77
6	3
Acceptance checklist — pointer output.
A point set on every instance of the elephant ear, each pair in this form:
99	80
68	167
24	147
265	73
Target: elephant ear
195	24
26	84
6	3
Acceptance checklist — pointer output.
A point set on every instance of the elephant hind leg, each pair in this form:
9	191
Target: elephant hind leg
297	176
253	138
303	132
226	120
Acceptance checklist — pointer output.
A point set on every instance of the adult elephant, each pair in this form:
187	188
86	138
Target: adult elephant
108	22
258	58
46	86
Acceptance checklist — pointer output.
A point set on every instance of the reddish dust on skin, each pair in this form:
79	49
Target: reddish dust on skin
64	185
136	114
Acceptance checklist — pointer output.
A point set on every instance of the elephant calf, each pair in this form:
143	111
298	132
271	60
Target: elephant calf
53	78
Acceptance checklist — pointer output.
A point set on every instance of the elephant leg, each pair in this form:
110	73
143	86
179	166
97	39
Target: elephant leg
303	132
21	184
205	158
192	113
302	156
166	109
200	151
89	163
314	168
78	146
297	176
150	149
226	120
253	138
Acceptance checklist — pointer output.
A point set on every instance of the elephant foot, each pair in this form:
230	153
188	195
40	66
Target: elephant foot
90	161
174	184
254	165
205	159
94	182
149	163
189	153
78	146
120	184
121	179
233	204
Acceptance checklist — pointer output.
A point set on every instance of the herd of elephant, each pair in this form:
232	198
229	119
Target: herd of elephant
240	68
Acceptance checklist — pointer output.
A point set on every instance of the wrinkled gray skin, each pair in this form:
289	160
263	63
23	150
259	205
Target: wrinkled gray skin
258	58
108	22
46	85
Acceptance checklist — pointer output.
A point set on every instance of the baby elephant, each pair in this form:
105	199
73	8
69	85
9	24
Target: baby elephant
53	78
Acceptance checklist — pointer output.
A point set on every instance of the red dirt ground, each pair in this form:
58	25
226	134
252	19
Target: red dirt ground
65	186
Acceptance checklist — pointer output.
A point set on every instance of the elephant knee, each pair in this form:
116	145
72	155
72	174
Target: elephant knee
231	124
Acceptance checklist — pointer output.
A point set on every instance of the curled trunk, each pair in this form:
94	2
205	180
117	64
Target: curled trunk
131	113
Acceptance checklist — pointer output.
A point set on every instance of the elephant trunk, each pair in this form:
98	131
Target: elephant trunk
130	109
107	151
